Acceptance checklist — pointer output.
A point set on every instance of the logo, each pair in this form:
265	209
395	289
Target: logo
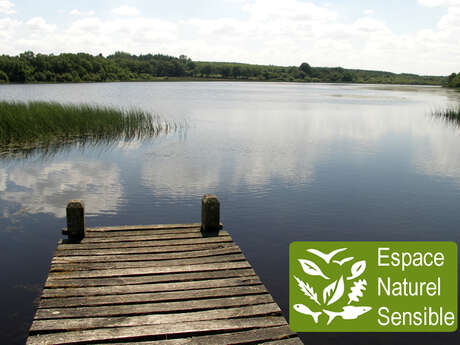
373	286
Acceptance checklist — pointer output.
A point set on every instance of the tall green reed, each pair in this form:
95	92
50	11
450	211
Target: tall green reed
28	127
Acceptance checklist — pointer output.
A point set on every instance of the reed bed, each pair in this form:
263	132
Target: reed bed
38	123
451	114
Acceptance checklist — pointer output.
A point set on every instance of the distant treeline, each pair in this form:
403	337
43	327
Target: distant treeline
29	68
453	80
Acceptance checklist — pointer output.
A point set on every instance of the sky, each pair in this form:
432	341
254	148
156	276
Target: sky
411	36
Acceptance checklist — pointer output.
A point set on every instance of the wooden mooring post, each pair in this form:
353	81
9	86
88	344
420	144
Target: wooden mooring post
210	215
164	284
75	213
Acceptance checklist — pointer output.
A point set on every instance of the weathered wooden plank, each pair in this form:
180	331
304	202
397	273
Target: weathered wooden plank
159	278
154	319
145	250
125	289
156	243
105	234
150	297
147	236
150	308
147	227
148	257
241	337
157	330
158	263
144	227
148	270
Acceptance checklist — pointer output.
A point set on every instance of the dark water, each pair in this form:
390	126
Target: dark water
289	162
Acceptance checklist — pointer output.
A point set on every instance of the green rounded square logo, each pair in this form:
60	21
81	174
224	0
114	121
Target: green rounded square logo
373	286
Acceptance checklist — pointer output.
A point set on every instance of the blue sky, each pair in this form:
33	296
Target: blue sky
416	36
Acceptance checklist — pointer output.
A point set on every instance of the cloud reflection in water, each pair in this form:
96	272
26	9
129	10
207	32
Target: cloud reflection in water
46	188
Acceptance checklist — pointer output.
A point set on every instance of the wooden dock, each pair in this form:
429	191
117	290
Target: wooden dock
155	284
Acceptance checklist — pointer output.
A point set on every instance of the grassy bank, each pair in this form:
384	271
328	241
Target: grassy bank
38	123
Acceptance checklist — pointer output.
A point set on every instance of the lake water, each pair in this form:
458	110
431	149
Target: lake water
289	162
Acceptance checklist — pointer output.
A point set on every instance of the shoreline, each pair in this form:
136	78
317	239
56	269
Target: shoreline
199	79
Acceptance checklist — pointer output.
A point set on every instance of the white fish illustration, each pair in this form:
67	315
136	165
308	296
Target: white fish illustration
303	309
348	313
325	257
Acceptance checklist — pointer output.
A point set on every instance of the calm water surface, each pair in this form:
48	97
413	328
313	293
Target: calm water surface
289	162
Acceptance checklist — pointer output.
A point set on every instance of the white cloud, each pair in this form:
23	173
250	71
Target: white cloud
39	25
288	10
6	7
79	13
126	11
291	32
438	3
369	12
451	20
8	29
268	32
107	36
370	25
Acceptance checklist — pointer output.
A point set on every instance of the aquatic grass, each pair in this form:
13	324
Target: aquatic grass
42	123
44	129
451	114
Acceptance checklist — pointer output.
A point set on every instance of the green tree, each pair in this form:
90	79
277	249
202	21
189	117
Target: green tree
206	70
347	77
453	80
236	71
21	72
3	77
306	68
225	71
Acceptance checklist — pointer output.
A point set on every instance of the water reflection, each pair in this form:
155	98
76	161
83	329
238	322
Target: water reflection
3	179
46	151
289	162
46	188
258	152
49	149
437	151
